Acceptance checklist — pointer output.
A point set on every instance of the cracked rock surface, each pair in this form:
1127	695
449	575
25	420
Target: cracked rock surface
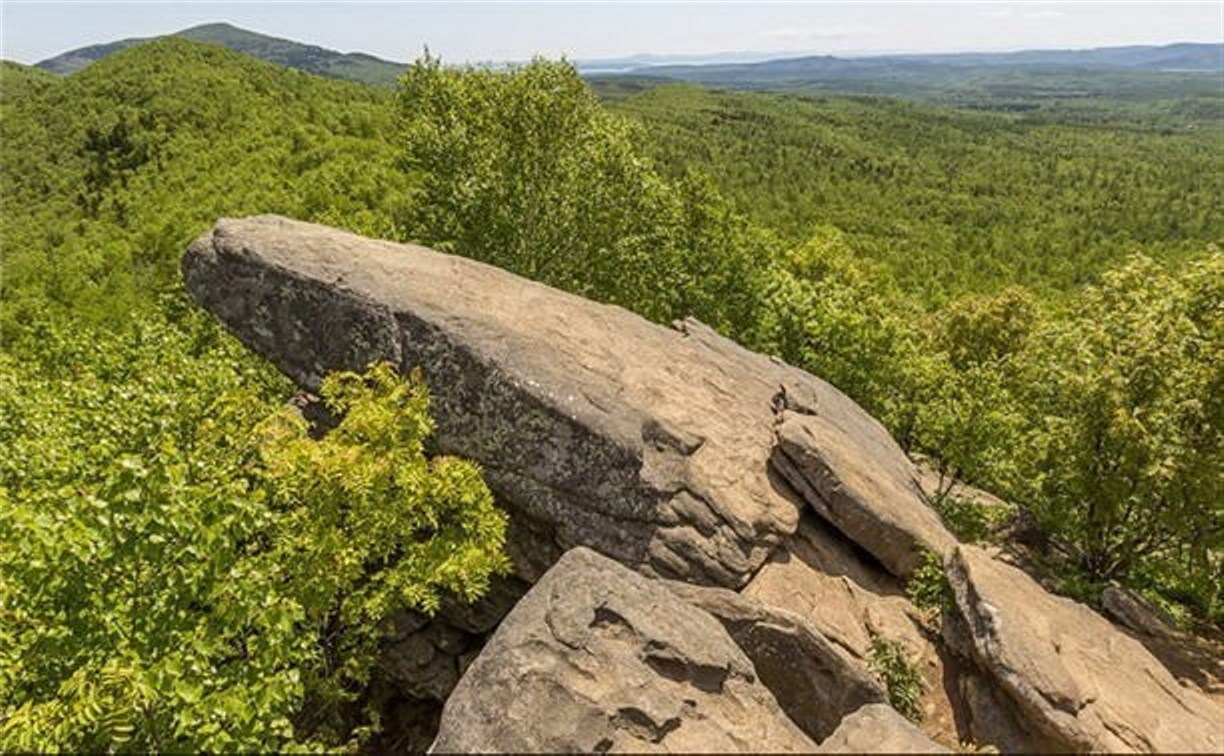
816	682
878	728
651	445
599	658
1074	678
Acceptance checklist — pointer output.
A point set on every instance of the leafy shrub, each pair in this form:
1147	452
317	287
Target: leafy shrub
180	572
901	675
927	586
971	521
1124	455
365	525
525	170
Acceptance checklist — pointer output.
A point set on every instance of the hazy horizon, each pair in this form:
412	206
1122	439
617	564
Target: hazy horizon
505	31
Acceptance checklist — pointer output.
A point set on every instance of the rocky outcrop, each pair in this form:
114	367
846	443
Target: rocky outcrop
815	681
692	468
598	658
650	445
870	493
1131	611
1075	680
877	728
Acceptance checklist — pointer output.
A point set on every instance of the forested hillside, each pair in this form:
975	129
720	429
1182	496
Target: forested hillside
952	201
1038	307
310	58
1172	86
135	155
151	483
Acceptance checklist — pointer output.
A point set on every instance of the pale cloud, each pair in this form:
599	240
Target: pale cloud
1046	14
995	13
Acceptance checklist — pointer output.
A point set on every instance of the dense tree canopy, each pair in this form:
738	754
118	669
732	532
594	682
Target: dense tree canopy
953	201
524	169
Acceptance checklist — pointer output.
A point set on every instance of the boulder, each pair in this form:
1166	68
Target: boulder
828	582
596	658
654	446
1075	679
878	728
815	681
872	497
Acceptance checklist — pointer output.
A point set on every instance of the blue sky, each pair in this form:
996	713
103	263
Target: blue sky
507	30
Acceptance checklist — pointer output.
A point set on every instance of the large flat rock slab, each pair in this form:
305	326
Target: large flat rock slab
873	497
1078	681
654	446
598	658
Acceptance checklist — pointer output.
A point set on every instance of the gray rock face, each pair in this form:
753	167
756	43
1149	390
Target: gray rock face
649	445
872	497
1130	610
596	658
822	578
816	682
1073	677
877	728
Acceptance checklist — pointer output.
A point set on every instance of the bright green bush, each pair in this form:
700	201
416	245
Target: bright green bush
971	521
366	525
1124	456
927	586
901	675
172	545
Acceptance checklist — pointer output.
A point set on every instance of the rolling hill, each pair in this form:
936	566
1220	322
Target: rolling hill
1168	75
310	58
1177	77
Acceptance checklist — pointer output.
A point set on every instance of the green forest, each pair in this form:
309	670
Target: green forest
1036	305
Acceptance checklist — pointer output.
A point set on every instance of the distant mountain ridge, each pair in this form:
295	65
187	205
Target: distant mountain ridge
310	58
1180	56
882	73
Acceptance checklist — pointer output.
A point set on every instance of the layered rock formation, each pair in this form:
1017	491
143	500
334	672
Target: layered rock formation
735	532
1077	683
596	658
650	445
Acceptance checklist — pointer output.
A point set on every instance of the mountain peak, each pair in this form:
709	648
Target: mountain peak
310	58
